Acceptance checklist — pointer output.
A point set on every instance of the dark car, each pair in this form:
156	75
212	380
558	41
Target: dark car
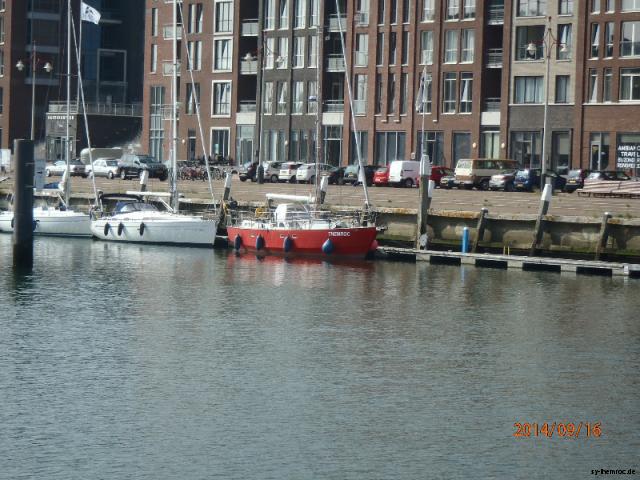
336	175
575	179
608	175
351	174
448	182
132	165
248	171
529	179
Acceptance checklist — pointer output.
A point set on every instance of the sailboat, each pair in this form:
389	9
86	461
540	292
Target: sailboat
299	226
146	217
53	216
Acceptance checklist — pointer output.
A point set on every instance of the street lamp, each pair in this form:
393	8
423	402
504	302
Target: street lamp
548	42
47	68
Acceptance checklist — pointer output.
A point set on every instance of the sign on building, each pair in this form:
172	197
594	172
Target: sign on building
628	152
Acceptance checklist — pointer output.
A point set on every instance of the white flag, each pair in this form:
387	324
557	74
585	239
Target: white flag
89	14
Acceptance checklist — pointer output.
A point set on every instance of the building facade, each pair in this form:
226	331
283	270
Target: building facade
554	80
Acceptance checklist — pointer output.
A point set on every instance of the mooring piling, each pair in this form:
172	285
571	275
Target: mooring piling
545	202
426	194
23	224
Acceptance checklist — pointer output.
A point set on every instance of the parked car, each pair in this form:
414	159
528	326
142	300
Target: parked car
477	172
336	176
381	177
132	165
404	173
528	179
575	179
448	182
248	171
438	171
288	172
351	174
608	175
76	168
271	171
503	181
307	173
104	167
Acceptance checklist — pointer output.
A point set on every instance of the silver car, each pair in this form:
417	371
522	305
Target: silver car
104	167
76	168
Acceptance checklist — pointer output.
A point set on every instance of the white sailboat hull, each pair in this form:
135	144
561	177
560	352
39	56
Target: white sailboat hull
64	223
156	227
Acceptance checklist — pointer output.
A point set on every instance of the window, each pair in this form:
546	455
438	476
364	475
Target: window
193	98
297	106
468	42
526	148
608	37
490	144
267	98
269	14
156	124
607	85
363	142
469	9
154	22
313	13
273	146
221	98
362	12
284	14
406	10
424	97
224	17
461	146
560	151
528	90
301	14
428	10
529	43
451	46
595	6
220	142
565	7
433	145
244	143
393	17
466	92
595	40
379	90
298	52
630	5
153	66
453	9
270	53
610	6
405	48
195	18
312	97
195	55
391	94
426	46
532	8
381	11
450	93
362	50
629	84
332	145
222	52
281	107
389	146
283	52
380	51
599	142
313	51
393	48
564	45
592	91
562	88
360	95
630	41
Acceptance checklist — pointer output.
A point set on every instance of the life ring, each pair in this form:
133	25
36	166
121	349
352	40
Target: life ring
120	228
259	242
142	228
107	227
287	244
237	242
327	246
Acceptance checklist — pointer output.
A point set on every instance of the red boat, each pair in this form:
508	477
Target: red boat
298	229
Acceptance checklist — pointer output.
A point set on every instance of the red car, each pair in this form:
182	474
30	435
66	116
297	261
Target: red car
381	177
437	172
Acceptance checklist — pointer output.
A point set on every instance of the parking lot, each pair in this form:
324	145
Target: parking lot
461	200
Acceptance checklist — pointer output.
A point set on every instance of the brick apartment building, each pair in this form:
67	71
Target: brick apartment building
112	65
271	78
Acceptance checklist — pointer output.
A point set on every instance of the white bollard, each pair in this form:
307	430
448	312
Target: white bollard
144	177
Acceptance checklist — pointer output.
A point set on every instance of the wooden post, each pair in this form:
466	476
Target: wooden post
482	222
227	187
545	201
23	205
604	235
426	193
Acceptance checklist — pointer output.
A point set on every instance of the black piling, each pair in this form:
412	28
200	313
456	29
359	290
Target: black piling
23	205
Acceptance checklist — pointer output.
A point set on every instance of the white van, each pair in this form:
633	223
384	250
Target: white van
99	153
404	173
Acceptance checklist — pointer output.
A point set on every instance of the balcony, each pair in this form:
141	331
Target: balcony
490	115
167	68
361	19
337	23
361	59
248	66
359	107
107	109
168	32
247	106
491	104
495	14
494	58
249	28
335	63
334	106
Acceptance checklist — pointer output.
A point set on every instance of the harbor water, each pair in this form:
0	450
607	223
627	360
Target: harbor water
144	362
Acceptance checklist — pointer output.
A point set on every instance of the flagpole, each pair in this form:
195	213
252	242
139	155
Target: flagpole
423	91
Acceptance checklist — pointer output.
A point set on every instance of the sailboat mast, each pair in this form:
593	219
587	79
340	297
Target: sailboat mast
318	105
67	143
174	114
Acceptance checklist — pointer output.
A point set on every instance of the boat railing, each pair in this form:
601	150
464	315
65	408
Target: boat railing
303	219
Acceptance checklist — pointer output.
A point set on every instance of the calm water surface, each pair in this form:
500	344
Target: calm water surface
121	361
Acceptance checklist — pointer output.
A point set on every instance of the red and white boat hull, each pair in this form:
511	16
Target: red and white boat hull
355	241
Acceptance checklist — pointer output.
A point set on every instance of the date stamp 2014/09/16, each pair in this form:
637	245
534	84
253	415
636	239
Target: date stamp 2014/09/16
558	429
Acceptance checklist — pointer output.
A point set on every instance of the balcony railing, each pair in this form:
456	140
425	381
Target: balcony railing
335	63
247	106
337	23
334	106
168	32
491	104
167	68
361	19
495	15
359	107
494	58
109	109
248	67
249	28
